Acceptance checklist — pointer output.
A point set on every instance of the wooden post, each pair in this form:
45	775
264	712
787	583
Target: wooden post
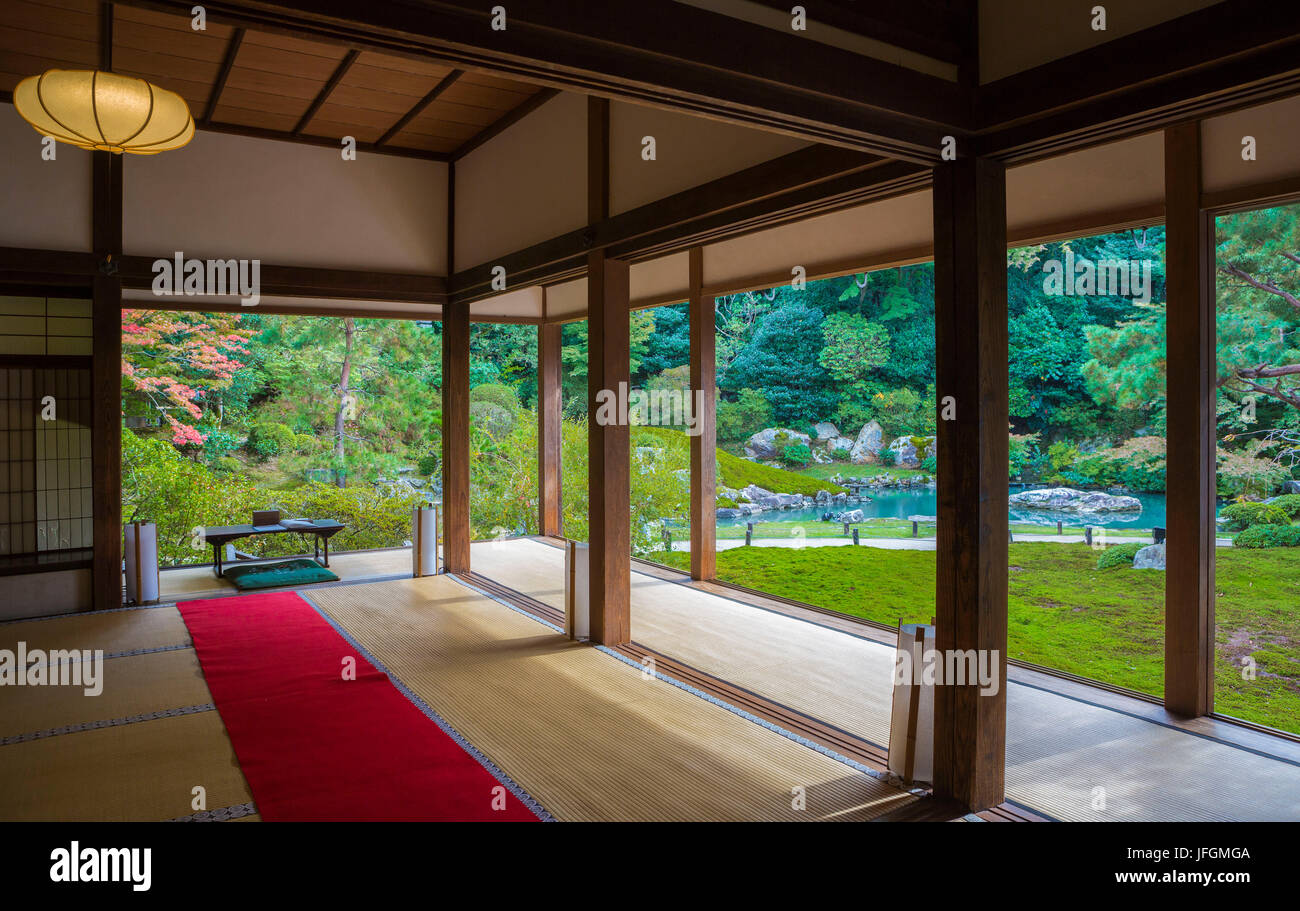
704	452
1190	362
608	372
549	403
106	383
970	249
455	437
106	360
609	480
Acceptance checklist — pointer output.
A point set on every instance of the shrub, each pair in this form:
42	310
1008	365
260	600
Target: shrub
217	442
930	464
796	454
1119	554
726	503
1289	502
227	465
748	414
497	394
1268	536
493	419
268	440
1238	516
429	464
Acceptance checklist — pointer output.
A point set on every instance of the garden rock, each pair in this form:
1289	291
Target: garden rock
753	493
727	513
1067	499
871	438
1150	557
763	445
826	431
854	515
905	455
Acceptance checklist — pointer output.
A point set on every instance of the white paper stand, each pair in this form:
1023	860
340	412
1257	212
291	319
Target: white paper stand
424	541
141	551
911	723
577	591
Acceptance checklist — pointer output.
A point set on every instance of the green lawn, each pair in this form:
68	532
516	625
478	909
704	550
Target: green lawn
1066	614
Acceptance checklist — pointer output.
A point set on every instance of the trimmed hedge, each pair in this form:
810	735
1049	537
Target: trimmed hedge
1269	536
1290	502
1244	515
1119	554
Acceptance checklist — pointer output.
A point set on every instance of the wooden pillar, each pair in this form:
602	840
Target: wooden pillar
970	266
549	403
704	453
455	437
106	360
106	383
1190	409
609	481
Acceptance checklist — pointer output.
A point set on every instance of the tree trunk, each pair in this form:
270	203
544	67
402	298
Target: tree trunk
345	401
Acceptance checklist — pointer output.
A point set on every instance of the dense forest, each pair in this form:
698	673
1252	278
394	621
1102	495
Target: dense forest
229	412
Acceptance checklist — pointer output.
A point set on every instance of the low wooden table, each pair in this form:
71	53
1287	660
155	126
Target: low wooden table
220	535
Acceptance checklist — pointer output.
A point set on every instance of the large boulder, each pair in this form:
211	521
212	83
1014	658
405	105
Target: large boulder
826	431
1291	487
841	444
871	439
753	493
823	498
904	452
1150	557
727	513
1067	499
766	445
854	515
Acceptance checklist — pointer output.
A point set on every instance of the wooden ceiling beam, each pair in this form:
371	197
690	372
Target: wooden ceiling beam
445	83
325	92
924	27
503	123
802	183
227	63
667	56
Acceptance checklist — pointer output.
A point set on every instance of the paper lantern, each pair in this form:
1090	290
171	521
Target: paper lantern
92	109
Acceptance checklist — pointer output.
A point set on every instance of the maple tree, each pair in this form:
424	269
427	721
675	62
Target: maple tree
174	362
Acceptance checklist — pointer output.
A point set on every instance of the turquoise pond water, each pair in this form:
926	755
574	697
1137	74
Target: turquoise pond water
899	504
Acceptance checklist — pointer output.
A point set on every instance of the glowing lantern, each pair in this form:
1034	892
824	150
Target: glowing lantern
92	109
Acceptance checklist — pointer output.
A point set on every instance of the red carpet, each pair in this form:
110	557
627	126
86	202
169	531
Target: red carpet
314	746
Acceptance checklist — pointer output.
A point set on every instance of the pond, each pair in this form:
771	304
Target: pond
899	504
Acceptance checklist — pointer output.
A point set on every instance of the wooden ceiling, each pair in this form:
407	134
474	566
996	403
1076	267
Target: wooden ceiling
270	84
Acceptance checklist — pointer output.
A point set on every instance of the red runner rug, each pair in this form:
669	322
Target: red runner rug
316	746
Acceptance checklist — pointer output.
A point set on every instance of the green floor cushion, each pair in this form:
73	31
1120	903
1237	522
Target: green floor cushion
274	575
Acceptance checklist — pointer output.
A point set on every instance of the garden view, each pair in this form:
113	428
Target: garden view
826	421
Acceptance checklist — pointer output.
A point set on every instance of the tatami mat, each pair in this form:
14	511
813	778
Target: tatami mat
141	771
131	686
113	631
1065	758
585	734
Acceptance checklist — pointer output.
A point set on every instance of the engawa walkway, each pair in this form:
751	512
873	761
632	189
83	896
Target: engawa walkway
1070	757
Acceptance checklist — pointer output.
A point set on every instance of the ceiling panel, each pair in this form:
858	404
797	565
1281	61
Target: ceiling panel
274	79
